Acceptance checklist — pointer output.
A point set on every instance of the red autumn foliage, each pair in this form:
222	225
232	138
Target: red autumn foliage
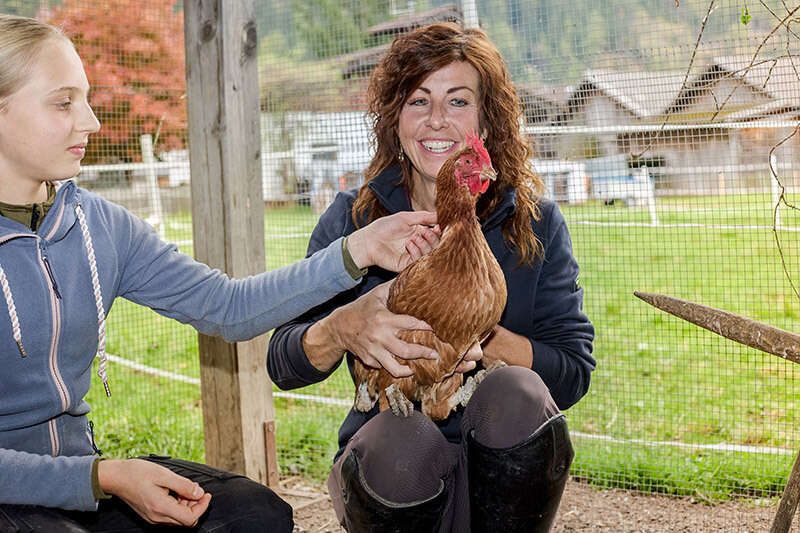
134	57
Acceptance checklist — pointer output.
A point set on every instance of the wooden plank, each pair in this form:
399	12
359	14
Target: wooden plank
271	453
228	226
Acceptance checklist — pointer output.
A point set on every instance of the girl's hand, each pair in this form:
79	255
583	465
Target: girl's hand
156	493
396	241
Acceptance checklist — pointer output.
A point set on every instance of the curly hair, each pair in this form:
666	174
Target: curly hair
409	61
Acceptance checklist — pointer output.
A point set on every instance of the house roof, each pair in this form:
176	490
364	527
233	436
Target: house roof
775	79
405	23
543	103
362	62
294	87
778	78
557	95
772	110
644	94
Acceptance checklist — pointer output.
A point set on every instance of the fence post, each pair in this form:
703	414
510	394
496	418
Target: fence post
228	222
156	218
651	195
470	12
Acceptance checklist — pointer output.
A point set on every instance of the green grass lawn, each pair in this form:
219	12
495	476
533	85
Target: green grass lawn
661	385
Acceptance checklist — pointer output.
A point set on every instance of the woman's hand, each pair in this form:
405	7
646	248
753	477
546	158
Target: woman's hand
156	493
394	242
369	330
470	360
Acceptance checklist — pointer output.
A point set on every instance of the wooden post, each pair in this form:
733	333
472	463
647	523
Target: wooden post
788	505
156	217
228	221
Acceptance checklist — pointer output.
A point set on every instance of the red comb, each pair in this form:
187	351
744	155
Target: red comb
476	143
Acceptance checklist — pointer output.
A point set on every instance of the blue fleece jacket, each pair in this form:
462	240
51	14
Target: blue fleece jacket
544	303
45	450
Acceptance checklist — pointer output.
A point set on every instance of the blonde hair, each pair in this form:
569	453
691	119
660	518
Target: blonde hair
21	40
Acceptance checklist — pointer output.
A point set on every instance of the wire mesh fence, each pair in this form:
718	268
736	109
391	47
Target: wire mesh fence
666	131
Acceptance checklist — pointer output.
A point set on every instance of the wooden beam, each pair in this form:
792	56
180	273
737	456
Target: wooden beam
228	221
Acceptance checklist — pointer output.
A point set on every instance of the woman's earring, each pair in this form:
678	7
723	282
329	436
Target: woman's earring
401	156
484	135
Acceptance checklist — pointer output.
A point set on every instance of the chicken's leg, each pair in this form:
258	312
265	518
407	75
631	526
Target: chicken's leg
399	404
364	401
468	389
441	398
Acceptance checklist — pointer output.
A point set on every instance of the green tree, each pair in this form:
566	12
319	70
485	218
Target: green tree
335	27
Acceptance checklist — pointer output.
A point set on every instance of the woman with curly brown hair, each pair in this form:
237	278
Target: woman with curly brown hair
501	463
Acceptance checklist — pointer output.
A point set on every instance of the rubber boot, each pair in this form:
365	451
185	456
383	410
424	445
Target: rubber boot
519	488
366	511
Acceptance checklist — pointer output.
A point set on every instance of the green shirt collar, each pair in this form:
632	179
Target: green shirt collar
30	215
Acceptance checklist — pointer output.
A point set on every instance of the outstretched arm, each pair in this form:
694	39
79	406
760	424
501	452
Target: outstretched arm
153	273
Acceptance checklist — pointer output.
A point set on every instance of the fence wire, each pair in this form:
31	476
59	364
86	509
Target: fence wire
666	131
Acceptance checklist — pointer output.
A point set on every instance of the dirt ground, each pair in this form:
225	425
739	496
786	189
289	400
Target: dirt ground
583	508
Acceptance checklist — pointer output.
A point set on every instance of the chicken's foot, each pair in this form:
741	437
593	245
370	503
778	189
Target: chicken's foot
469	386
400	405
364	401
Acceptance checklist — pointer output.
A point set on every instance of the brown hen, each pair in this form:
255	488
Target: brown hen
458	288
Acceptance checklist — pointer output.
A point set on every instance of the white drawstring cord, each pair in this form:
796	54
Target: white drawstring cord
98	299
12	312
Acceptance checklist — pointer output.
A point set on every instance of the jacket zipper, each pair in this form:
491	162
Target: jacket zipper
50	272
54	444
90	427
55	308
56	313
57	222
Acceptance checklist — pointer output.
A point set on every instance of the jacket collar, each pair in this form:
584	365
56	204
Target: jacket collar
389	190
393	196
62	215
59	219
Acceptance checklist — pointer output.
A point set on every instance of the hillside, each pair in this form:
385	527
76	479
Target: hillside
551	41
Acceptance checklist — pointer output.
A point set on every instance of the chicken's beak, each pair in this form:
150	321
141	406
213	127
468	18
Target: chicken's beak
488	173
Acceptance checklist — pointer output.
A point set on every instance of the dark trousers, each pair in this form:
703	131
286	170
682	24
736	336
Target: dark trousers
407	459
238	504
